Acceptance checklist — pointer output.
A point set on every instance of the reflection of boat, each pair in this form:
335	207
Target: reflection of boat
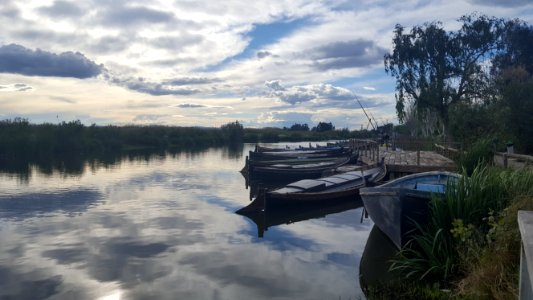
273	216
325	188
394	205
376	259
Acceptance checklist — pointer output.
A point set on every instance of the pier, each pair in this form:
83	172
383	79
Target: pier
400	161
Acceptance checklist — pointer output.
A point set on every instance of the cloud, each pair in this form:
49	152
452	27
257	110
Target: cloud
137	15
62	9
503	3
20	60
63	99
305	93
263	54
191	81
177	42
149	117
284	118
195	105
16	87
349	54
369	88
110	44
190	105
274	85
152	88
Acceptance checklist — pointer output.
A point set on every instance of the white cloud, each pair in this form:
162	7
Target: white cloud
205	52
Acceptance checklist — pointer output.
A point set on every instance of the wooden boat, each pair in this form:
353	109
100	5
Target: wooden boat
299	154
394	205
285	172
275	216
326	188
259	148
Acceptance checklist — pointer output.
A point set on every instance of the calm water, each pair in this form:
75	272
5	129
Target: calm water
165	227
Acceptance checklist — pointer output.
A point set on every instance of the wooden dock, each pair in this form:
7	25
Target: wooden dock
400	162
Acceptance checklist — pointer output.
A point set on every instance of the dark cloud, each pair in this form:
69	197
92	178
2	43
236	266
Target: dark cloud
135	16
152	88
20	60
340	55
190	105
503	3
9	10
263	54
62	9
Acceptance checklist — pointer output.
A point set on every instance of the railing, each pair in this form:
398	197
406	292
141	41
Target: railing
367	148
525	159
525	224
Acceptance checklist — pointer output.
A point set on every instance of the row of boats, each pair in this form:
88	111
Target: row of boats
326	175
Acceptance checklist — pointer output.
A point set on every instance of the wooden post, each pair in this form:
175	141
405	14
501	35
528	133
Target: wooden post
378	159
505	160
418	157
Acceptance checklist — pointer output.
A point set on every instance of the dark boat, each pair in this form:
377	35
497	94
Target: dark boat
394	205
275	216
285	172
299	154
326	188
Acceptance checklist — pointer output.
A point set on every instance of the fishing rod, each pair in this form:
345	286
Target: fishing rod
369	119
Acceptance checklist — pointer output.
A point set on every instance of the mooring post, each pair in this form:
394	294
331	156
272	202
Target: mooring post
418	157
505	160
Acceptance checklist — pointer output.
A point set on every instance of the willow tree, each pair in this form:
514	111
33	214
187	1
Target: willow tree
435	68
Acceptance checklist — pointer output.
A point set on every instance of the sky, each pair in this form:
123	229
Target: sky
207	63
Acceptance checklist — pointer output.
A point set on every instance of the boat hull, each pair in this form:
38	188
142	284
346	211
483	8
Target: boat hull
395	206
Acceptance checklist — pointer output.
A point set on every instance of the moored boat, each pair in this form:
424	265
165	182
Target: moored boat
285	172
394	205
299	154
326	188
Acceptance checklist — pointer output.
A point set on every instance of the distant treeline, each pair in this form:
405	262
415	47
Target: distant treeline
20	138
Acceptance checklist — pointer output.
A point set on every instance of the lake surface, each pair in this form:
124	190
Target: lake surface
165	227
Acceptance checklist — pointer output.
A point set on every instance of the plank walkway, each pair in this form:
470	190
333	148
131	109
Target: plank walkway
401	161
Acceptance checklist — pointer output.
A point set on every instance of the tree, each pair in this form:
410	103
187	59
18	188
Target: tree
233	132
435	69
515	85
323	126
299	127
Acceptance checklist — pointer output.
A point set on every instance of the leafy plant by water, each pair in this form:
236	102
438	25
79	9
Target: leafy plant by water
460	223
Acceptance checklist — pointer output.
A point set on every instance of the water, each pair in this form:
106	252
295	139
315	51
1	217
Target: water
164	227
